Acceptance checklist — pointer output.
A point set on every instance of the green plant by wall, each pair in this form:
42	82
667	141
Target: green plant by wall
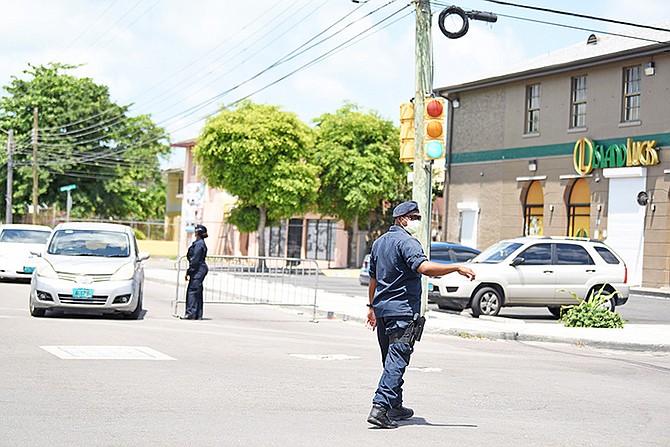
591	312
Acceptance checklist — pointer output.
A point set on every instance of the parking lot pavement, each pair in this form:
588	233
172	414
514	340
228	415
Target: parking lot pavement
633	337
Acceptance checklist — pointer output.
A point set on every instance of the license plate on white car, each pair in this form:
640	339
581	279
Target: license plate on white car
82	293
28	269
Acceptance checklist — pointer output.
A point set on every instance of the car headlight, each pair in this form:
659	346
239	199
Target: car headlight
45	270
125	272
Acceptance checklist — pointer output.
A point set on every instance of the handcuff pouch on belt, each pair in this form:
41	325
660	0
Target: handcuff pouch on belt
412	332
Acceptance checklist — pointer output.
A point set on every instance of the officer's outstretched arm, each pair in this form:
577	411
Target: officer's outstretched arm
430	268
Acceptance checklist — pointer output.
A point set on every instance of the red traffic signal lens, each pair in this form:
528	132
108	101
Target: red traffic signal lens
434	108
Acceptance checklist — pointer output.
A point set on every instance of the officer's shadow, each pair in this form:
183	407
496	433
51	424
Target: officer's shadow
422	421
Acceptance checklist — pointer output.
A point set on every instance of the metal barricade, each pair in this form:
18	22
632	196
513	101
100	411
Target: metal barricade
254	280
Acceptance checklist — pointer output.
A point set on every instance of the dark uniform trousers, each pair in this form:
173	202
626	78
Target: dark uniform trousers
395	357
194	292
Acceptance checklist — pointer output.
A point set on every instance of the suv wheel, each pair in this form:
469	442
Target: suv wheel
487	301
609	304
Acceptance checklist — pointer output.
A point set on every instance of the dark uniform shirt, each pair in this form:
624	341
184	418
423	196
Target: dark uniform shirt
196	255
394	259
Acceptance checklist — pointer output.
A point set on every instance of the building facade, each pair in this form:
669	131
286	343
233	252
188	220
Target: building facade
570	144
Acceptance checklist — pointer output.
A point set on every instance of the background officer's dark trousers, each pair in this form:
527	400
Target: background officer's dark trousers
395	357
194	293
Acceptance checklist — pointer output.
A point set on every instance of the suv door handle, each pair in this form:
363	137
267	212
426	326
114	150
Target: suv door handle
548	271
590	271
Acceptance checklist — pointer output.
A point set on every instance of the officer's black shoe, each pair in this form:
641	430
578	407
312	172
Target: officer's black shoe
186	318
399	413
379	417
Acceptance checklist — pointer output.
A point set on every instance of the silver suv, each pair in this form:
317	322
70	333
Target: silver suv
536	272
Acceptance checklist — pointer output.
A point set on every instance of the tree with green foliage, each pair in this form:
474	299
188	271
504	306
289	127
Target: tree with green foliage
358	153
86	139
258	153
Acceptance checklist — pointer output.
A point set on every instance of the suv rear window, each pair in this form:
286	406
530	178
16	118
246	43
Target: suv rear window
607	255
571	254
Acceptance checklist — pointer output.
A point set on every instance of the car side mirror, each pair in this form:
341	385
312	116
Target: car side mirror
37	253
143	256
517	261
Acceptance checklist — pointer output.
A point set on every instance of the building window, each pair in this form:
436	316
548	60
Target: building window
275	240
533	108
579	209
578	102
180	185
533	210
320	239
631	93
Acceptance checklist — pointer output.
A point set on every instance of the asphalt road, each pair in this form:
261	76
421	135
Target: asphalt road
265	376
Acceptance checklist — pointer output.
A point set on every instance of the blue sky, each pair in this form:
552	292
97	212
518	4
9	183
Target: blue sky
180	61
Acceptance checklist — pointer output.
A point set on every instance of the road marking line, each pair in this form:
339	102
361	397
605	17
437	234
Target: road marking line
326	357
106	353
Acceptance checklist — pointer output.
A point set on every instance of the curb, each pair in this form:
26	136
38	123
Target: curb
323	314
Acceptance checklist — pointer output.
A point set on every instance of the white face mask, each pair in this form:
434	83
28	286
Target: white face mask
413	226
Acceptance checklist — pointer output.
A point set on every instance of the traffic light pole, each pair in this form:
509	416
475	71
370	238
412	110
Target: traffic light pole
421	189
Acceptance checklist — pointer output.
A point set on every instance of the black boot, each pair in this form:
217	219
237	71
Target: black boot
399	413
379	417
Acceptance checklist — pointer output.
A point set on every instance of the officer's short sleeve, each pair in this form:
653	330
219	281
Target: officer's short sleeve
412	252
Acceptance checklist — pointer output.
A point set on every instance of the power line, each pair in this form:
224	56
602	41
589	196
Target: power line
583	16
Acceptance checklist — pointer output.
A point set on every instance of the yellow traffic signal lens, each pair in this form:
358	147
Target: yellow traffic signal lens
434	129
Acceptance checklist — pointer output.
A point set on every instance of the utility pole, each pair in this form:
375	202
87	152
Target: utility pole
10	177
421	189
35	166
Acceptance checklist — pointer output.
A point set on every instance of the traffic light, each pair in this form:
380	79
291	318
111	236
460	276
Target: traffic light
433	118
407	132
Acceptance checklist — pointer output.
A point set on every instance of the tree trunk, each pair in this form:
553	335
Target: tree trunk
356	245
261	230
261	238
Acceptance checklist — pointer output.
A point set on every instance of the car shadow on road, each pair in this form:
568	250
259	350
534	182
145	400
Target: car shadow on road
89	316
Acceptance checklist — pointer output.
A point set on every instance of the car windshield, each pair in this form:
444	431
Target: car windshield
24	236
497	253
110	244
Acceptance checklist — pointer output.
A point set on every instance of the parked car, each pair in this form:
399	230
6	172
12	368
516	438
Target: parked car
535	271
89	267
442	252
16	243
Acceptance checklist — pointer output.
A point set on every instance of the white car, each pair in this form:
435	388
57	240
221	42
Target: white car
535	271
89	268
16	243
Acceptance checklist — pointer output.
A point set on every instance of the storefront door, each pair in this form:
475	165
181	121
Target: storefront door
625	219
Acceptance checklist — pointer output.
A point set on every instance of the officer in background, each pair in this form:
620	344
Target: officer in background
397	262
195	275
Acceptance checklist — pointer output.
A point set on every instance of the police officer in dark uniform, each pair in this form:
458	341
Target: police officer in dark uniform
195	275
397	262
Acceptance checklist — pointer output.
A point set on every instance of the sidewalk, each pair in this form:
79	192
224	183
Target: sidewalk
633	337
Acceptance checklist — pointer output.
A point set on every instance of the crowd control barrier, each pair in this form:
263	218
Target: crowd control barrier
254	280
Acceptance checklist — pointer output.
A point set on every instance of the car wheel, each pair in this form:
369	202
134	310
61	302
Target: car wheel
609	304
35	312
555	311
134	315
487	301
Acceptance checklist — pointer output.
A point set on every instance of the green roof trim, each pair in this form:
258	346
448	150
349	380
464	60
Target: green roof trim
550	150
